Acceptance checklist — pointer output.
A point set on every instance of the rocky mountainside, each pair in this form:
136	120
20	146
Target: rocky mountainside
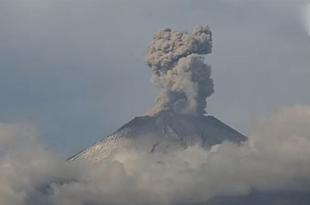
165	131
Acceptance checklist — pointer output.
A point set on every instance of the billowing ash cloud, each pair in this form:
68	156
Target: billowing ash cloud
276	157
178	67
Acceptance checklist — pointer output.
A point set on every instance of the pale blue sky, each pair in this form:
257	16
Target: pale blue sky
76	70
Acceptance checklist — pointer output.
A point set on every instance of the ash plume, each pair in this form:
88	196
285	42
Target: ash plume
178	67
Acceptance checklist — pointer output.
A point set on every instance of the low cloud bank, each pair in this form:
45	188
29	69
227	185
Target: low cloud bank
276	157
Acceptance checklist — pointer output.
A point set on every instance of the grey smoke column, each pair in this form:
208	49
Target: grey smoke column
179	70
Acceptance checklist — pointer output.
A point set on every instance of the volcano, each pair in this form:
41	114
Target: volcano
166	131
178	119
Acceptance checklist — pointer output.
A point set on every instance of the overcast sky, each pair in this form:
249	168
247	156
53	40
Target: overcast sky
75	68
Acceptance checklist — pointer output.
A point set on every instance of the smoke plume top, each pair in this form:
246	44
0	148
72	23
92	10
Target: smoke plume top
178	68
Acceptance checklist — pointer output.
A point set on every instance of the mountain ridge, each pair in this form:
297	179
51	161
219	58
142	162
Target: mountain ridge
163	132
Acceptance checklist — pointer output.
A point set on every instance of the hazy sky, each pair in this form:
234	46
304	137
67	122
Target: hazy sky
76	70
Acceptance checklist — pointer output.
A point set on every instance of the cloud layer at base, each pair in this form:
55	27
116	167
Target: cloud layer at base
276	157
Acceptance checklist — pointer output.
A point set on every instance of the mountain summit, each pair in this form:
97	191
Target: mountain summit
177	120
163	132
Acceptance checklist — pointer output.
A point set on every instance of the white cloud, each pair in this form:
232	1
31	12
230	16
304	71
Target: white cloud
276	157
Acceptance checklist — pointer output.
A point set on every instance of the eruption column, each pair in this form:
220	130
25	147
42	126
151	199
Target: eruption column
178	68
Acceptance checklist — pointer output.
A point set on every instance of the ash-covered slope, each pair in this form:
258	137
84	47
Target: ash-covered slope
178	118
163	132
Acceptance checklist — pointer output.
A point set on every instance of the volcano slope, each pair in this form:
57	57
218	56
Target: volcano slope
166	131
